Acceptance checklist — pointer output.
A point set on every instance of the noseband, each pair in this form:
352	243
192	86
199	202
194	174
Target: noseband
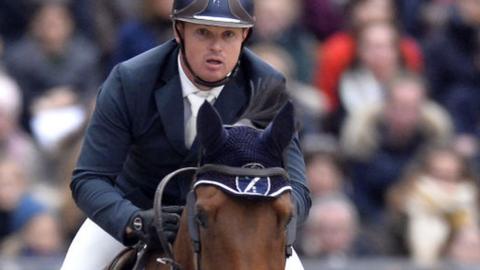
193	226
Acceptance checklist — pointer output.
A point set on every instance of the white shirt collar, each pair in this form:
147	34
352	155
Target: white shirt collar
188	87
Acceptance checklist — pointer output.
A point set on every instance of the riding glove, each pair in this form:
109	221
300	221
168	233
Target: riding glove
143	225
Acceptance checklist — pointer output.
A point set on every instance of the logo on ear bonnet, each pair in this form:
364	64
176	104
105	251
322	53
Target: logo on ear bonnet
250	185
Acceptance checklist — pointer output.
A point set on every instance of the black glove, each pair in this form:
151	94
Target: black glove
143	225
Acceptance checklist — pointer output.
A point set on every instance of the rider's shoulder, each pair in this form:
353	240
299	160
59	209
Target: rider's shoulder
149	61
257	68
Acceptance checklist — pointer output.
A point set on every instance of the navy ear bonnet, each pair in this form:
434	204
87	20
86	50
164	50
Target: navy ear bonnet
244	147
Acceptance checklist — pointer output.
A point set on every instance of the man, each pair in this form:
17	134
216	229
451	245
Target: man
142	129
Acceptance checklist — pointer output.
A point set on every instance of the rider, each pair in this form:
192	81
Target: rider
140	130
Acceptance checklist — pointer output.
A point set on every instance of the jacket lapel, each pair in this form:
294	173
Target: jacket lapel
232	100
230	103
169	100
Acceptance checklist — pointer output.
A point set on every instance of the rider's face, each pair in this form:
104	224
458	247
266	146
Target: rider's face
212	52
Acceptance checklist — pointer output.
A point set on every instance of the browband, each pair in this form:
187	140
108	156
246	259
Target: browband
235	171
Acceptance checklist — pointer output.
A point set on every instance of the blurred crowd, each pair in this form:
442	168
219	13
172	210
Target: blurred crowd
387	92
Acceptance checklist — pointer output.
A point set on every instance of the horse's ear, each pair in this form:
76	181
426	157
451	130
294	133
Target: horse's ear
210	129
279	132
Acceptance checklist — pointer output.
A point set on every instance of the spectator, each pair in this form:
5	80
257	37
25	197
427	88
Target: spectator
379	141
464	249
379	61
14	16
14	143
41	237
309	103
72	217
109	15
331	230
56	115
409	13
440	198
337	53
83	16
420	18
325	174
277	23
452	52
453	71
17	206
152	28
52	55
323	17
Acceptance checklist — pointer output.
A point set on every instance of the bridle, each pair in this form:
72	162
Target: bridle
168	257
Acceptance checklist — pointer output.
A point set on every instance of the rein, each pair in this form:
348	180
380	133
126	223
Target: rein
168	258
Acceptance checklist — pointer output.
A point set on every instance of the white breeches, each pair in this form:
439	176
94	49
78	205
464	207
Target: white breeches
93	248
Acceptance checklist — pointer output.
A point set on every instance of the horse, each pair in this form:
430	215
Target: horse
240	213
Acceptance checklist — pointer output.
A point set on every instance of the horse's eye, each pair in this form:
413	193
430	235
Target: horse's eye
202	219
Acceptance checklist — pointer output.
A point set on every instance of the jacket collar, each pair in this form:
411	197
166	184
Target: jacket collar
168	97
230	104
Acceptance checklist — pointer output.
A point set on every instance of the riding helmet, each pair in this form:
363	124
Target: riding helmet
224	13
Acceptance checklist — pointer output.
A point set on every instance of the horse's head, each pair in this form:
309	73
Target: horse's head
240	218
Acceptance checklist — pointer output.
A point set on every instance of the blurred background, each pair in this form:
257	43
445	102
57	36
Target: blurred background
388	93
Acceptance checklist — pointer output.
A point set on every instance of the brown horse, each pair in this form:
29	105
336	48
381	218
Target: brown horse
243	227
236	234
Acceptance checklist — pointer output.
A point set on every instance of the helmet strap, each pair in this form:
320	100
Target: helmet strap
197	78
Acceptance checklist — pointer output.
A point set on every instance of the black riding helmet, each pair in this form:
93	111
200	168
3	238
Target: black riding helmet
223	13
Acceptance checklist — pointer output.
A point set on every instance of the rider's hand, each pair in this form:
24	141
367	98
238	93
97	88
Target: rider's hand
142	225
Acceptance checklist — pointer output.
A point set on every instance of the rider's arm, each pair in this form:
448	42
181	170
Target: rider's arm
296	170
107	142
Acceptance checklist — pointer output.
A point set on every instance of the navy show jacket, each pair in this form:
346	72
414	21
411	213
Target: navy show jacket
136	136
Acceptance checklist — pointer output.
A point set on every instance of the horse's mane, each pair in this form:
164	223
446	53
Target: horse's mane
267	97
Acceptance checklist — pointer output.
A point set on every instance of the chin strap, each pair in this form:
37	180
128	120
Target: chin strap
201	81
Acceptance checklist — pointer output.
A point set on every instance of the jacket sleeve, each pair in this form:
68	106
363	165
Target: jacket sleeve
296	170
105	148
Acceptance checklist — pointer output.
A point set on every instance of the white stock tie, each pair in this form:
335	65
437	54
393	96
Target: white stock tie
196	100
